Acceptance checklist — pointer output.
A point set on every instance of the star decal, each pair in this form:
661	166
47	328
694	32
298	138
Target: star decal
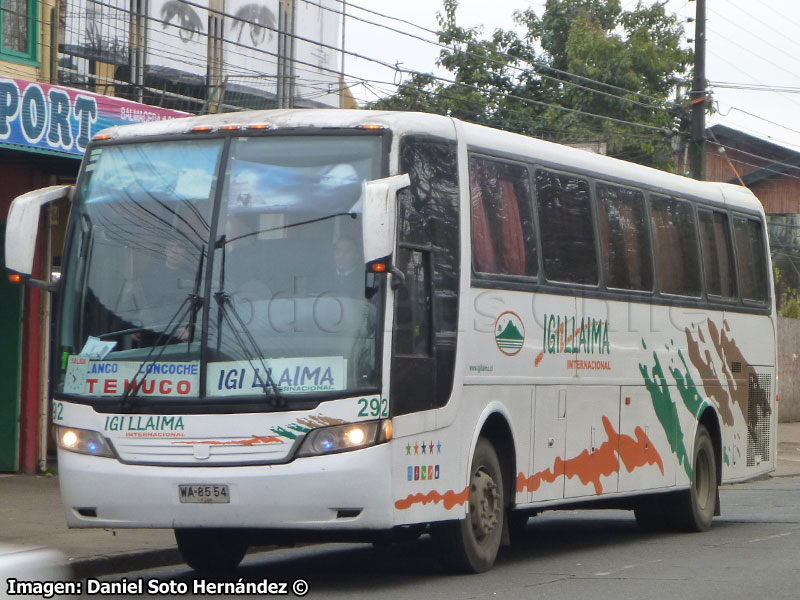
439	448
416	448
408	449
424	447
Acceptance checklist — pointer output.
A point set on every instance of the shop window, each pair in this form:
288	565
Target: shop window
18	30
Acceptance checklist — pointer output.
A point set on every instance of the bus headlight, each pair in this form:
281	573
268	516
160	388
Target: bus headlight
83	441
340	438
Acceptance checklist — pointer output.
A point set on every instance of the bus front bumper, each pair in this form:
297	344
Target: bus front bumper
347	491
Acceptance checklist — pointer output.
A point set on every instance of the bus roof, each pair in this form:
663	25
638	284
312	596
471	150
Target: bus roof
477	137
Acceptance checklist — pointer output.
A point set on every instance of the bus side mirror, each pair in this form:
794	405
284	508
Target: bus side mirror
379	213
22	227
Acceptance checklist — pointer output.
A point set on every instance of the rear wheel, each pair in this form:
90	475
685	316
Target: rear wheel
693	509
211	550
471	545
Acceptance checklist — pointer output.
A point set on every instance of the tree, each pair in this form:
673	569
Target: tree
579	57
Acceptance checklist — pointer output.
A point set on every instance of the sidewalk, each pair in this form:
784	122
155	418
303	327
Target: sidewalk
31	514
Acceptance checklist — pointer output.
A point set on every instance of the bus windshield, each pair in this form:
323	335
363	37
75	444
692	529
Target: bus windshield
200	270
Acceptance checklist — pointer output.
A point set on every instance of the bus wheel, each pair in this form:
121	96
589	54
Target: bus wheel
211	550
471	545
693	509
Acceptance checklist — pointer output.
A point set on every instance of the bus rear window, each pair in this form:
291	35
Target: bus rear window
750	251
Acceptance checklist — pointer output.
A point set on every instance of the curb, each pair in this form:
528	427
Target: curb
96	566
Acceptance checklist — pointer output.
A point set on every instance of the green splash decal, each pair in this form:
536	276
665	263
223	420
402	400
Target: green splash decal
299	428
281	431
667	412
687	388
725	458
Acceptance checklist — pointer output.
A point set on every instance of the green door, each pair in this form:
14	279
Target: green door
10	342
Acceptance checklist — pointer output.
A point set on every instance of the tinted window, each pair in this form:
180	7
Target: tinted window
429	215
565	220
715	238
624	238
750	252
503	239
412	329
675	246
427	306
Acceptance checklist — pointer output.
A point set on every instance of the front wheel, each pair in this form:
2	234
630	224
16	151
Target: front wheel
471	545
211	550
693	509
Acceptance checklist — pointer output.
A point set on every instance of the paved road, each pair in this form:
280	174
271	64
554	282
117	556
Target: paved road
753	551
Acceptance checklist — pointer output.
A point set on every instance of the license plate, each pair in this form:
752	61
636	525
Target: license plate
211	493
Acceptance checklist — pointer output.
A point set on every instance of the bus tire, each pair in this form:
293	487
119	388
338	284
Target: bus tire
211	550
470	545
693	509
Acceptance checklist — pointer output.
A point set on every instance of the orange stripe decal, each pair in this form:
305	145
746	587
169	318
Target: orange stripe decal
589	467
251	441
450	499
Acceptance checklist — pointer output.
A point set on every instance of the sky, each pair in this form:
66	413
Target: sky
750	43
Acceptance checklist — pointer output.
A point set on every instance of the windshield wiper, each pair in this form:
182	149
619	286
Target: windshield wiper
177	320
224	240
195	303
224	302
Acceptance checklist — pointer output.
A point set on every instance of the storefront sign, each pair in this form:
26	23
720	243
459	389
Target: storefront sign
59	119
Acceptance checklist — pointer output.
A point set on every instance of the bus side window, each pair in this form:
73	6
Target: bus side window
750	252
426	306
624	238
565	221
503	238
675	245
718	267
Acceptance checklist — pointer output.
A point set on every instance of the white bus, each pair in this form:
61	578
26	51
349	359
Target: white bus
292	325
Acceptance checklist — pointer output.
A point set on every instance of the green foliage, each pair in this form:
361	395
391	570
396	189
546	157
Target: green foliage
787	296
503	80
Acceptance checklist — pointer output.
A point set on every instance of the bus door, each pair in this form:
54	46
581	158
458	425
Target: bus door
591	449
549	442
593	414
413	383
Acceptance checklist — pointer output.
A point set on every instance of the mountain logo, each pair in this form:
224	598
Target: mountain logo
509	333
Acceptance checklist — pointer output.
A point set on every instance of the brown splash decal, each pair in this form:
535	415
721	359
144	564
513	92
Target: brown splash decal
253	440
712	384
449	499
589	467
313	421
727	352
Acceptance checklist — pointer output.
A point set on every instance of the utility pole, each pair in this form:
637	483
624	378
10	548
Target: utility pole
698	95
